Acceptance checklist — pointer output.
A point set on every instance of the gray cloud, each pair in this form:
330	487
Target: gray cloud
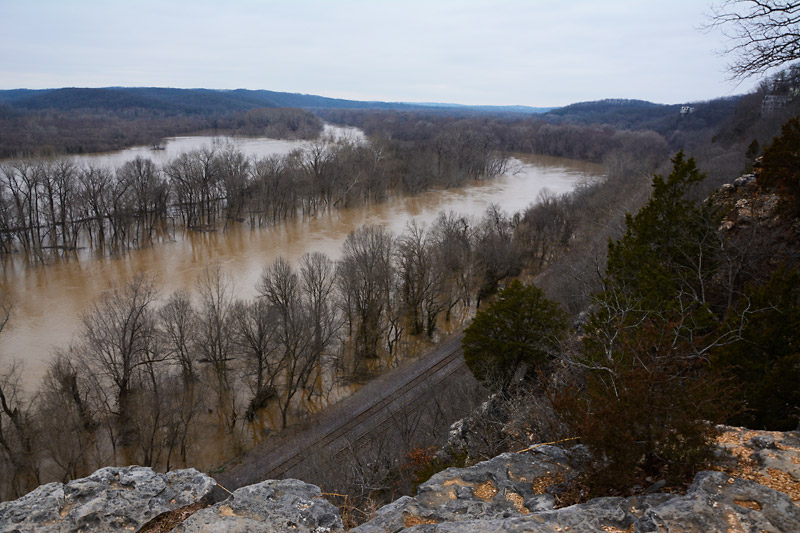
535	53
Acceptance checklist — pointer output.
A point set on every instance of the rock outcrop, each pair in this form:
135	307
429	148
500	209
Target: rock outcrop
111	499
511	484
714	503
267	507
757	488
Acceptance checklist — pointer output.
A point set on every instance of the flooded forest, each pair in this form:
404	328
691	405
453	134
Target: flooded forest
170	374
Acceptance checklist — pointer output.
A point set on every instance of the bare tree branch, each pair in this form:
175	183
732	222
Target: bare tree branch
762	34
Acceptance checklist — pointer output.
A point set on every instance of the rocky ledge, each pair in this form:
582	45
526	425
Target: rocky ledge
135	498
756	488
111	499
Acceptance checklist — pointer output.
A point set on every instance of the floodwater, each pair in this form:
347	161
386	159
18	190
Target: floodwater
49	300
252	146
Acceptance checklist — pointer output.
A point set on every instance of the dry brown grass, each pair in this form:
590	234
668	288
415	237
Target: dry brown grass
612	529
542	482
518	502
486	491
413	520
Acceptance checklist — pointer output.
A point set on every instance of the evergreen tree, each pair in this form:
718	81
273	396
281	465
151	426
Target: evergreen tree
781	166
516	335
765	362
646	392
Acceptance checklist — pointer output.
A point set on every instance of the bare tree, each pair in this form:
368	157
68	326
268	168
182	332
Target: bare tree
234	170
318	276
273	195
18	449
178	328
454	245
59	182
18	453
215	338
544	229
364	278
280	287
67	417
255	338
421	283
763	34
149	193
118	340
497	256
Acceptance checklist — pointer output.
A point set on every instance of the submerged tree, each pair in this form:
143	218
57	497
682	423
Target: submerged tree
118	342
255	339
364	277
215	338
19	463
280	287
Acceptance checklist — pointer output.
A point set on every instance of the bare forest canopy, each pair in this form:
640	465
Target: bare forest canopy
675	123
80	120
51	206
54	206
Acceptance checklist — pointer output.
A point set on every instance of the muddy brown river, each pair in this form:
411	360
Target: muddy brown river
49	300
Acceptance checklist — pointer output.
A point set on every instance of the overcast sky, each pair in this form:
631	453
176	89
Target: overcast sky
535	52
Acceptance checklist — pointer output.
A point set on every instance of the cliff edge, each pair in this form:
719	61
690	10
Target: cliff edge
754	485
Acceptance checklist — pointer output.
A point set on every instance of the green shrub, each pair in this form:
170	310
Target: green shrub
781	165
765	362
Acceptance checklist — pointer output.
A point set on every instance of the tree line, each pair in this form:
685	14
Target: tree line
586	142
57	205
94	128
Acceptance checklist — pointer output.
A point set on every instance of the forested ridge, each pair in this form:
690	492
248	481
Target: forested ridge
81	120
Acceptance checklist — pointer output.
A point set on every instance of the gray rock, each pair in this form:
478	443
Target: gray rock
111	499
714	503
591	517
718	502
272	506
465	500
762	442
509	485
744	179
768	451
463	436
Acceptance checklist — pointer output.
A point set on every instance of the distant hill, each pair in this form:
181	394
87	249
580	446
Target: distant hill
78	120
641	114
522	109
168	102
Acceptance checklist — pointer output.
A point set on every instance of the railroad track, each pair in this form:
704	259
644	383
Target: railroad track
355	426
378	414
